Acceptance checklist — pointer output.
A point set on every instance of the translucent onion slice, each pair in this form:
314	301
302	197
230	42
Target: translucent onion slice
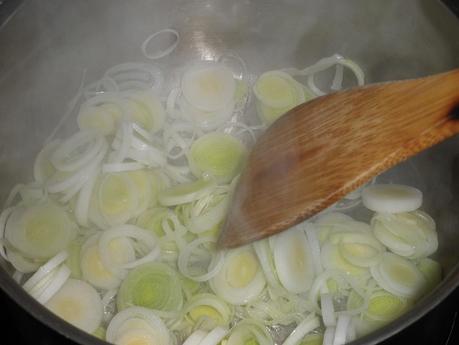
391	198
153	285
293	260
306	326
78	303
136	324
40	231
249	331
218	155
241	278
208	87
186	192
399	276
313	339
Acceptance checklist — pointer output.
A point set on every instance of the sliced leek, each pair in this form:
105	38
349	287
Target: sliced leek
218	155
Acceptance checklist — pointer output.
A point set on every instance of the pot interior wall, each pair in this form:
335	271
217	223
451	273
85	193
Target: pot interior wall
50	45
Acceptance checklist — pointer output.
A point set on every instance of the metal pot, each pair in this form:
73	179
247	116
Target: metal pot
47	44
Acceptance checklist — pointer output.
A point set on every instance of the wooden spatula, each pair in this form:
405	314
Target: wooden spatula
322	150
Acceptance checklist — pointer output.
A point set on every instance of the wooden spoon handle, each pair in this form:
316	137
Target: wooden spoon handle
322	150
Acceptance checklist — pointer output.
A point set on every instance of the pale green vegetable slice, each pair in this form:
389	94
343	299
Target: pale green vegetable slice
145	109
142	181
40	231
208	311
277	92
410	234
293	260
43	169
241	278
399	276
332	259
384	306
186	192
117	198
152	285
78	303
360	249
138	326
249	332
431	270
313	339
73	259
92	268
101	118
218	155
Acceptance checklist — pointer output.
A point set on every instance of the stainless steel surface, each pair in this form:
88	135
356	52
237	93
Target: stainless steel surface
47	45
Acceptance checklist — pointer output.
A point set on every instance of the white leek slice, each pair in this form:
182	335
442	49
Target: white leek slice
328	310
332	259
304	327
195	338
293	260
241	278
78	303
277	93
399	276
431	270
410	234
108	244
136	325
205	262
208	311
362	250
249	331
215	336
117	198
120	251
313	339
341	329
186	192
218	155
43	169
391	198
101	118
145	109
153	285
208	87
48	279
384	306
206	120
40	231
77	151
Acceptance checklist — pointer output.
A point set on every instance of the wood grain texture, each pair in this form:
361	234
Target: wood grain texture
322	150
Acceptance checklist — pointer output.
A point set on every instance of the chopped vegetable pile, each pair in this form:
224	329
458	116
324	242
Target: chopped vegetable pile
116	234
